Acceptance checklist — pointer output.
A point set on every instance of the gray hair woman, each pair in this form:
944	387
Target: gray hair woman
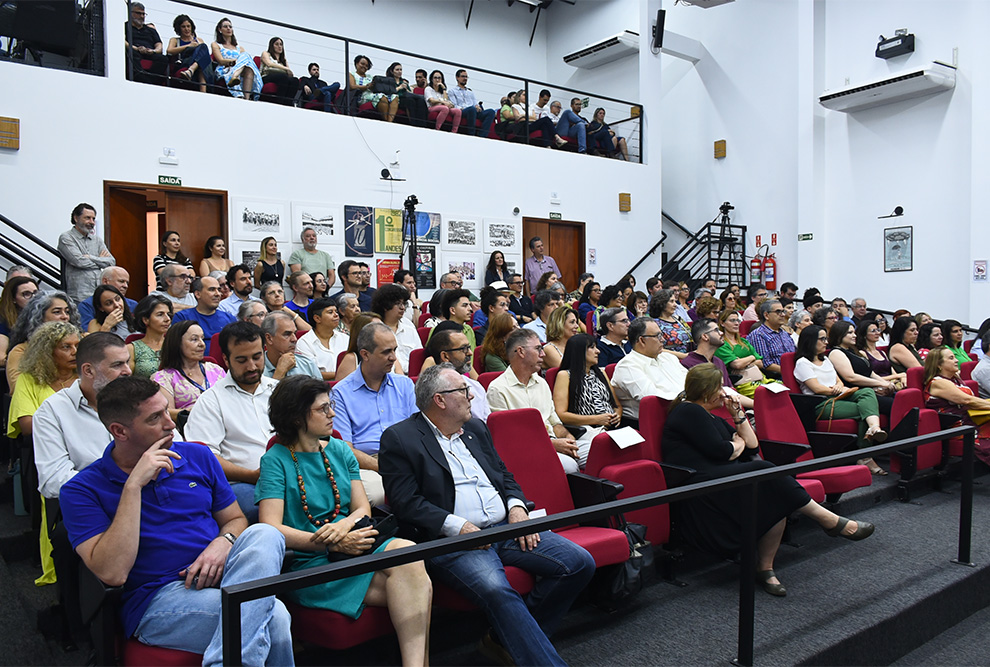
798	321
252	310
43	307
348	308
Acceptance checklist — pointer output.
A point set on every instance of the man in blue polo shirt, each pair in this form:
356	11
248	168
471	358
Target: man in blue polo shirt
158	518
371	399
206	313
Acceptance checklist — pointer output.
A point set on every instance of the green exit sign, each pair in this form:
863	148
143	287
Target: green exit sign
805	237
169	180
555	216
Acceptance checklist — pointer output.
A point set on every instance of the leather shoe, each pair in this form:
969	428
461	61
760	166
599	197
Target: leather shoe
494	651
863	530
763	578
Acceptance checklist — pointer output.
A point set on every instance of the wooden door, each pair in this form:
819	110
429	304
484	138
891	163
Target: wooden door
563	240
196	216
126	230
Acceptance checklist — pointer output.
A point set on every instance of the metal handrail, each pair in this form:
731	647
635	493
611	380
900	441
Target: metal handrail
232	597
15	253
965	327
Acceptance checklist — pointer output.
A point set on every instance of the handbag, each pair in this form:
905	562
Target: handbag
620	582
387	526
383	84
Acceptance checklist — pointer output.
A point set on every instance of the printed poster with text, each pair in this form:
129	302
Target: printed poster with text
387	269
358	231
388	230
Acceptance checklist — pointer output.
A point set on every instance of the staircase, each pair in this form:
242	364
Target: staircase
716	250
19	246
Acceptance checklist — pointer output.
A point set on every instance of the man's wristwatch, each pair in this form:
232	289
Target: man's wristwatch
230	537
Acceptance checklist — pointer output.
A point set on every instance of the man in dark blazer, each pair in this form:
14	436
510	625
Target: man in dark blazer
443	477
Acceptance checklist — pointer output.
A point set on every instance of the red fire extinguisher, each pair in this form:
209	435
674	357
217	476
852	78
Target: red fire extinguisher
770	273
756	269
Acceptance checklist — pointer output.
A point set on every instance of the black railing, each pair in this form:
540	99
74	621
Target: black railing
631	112
965	327
717	250
232	597
67	34
12	249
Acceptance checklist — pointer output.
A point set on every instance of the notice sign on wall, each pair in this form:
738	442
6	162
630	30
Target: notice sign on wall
979	271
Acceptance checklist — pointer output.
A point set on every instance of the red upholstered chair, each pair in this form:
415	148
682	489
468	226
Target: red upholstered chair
551	377
416	359
610	371
522	581
783	439
299	334
968	345
215	349
340	358
478	360
487	378
424	334
966	370
652	418
589	323
522	441
212	360
916	377
335	631
746	326
922	457
135	336
425	315
135	653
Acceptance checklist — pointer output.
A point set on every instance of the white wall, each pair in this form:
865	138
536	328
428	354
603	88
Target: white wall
111	129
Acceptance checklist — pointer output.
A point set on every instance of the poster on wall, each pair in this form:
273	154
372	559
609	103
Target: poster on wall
462	234
504	235
513	264
898	249
359	239
426	267
427	227
388	230
245	252
326	220
386	270
469	266
254	219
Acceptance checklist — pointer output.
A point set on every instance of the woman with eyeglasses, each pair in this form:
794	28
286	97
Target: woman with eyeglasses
17	291
743	362
682	296
252	310
883	327
674	333
729	300
389	302
582	394
273	296
817	377
589	299
902	352
439	102
183	374
825	317
310	490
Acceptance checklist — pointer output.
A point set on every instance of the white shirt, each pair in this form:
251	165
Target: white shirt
555	117
540	327
312	347
187	300
506	392
430	94
804	370
233	423
68	436
541	111
407	340
479	404
637	376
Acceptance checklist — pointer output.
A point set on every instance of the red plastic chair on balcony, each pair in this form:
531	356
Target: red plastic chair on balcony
522	441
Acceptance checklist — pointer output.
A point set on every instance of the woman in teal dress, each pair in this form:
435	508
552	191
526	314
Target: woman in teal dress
310	489
234	64
152	317
360	83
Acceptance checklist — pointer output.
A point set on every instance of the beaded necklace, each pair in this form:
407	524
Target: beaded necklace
302	489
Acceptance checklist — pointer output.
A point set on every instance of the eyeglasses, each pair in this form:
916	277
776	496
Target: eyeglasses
656	335
779	311
822	338
326	407
465	390
464	348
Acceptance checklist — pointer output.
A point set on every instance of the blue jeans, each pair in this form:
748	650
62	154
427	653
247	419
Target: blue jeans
471	114
563	570
329	94
571	125
189	619
244	493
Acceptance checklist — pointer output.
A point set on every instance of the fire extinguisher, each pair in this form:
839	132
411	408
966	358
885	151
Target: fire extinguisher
770	273
756	269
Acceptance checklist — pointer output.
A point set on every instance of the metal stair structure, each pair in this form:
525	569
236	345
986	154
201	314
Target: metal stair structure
15	241
716	250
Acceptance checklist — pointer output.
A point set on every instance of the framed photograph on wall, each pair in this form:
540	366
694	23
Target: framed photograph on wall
898	249
254	219
248	252
461	234
359	231
428	227
469	265
327	220
504	235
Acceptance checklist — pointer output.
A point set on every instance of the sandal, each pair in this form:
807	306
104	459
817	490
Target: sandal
876	434
763	578
560	142
863	530
186	74
873	466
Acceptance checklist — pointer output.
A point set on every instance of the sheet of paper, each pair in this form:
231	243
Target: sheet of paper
776	387
626	436
537	514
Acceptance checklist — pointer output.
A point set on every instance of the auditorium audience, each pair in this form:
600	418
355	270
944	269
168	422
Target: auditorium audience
609	142
325	341
192	54
547	280
695	438
825	317
867	339
728	299
414	105
648	370
440	103
854	367
582	394
674	331
590	296
450	346
922	319
929	337
493	348
281	360
273	297
177	280
757	295
352	357
817	377
520	112
316	89
902	352
310	490
562	325
275	69
269	266
493	302
85	254
48	365
520	386
797	322
183	373
884	328
152	317
952	332
234	65
945	392
363	92
112	314
214	257
769	340
707	337
43	307
348	307
739	356
611	297
240	284
389	303
17	291
231	417
520	304
206	313
981	373
320	286
544	303
371	399
496	269
143	43
253	311
414	306
302	292
612	332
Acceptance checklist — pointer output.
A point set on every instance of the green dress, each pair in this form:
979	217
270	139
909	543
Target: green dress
962	356
278	480
145	360
494	364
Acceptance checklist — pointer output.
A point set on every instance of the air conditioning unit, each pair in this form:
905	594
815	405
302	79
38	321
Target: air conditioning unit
624	44
927	80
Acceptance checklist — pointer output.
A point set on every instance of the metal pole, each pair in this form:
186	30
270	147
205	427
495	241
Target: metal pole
747	582
966	501
347	77
526	108
642	137
231	623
